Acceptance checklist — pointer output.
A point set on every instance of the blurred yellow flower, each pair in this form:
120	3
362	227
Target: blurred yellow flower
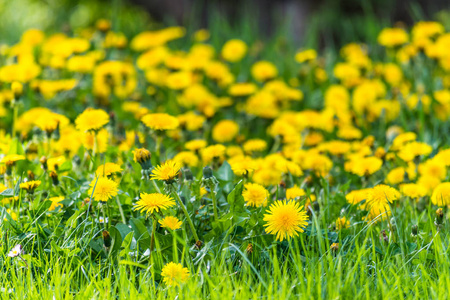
91	119
170	222
255	195
174	274
234	50
160	121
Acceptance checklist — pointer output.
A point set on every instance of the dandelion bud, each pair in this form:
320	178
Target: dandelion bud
208	178
30	175
207	172
369	140
249	249
384	237
77	160
106	239
103	25
414	230
439	217
188	175
334	247
198	244
31	150
316	206
17	89
54	177
30	186
86	201
380	152
43	161
143	157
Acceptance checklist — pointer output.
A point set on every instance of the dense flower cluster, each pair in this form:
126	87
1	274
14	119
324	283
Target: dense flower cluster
89	114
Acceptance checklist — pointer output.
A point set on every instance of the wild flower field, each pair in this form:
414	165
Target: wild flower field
157	166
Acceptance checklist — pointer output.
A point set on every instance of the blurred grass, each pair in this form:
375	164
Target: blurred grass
330	25
62	15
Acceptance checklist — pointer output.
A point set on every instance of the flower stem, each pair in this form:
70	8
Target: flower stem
175	248
23	259
180	202
214	200
104	216
152	243
124	220
156	186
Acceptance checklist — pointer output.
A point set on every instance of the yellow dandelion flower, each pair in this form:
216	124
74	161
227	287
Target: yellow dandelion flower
55	202
255	194
306	55
203	191
50	121
255	145
294	192
17	89
2	187
160	121
10	159
225	131
413	190
242	165
441	194
174	274
12	214
187	158
108	169
365	166
382	193
342	223
234	50
264	70
242	89
429	183
433	168
267	176
201	35
155	201
105	189
213	152
391	37
30	186
285	219
143	157
91	119
170	222
195	145
378	199
167	171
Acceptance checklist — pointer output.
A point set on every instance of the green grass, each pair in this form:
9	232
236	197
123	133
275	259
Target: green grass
365	266
65	255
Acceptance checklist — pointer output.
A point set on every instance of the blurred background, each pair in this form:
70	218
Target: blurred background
304	23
